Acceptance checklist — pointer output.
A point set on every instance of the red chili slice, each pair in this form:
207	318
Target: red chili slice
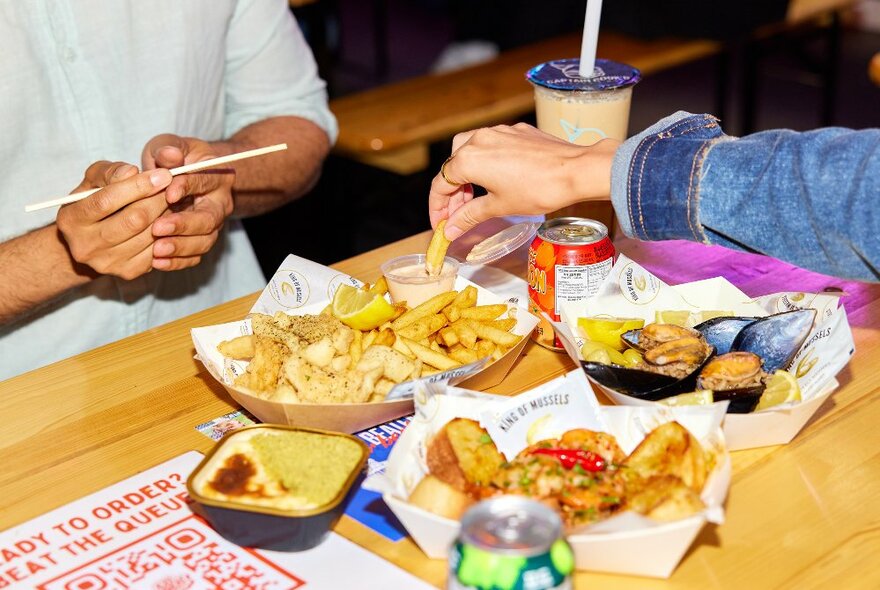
570	457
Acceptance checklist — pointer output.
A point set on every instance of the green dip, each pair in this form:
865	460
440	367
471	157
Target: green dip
309	465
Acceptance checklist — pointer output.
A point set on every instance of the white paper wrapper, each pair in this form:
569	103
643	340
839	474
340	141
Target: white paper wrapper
633	292
627	543
300	287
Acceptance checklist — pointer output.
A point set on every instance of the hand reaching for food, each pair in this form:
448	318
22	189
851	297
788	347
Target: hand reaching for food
524	171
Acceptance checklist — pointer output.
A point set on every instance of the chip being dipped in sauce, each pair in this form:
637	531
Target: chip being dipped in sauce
408	278
277	487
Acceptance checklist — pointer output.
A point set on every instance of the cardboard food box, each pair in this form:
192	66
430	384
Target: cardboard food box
302	287
626	543
630	291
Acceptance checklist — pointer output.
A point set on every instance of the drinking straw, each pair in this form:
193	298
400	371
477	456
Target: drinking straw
590	38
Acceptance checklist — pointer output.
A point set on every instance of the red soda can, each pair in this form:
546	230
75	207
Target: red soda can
568	260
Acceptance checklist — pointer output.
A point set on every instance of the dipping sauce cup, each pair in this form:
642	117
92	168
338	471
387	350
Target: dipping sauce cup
277	487
409	281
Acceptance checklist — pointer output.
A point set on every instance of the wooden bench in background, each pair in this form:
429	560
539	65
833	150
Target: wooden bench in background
392	127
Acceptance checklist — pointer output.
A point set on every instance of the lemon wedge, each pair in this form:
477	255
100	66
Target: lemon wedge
701	397
361	310
781	388
607	330
688	319
672	316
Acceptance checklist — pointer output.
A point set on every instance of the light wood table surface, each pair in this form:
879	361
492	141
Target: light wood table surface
800	516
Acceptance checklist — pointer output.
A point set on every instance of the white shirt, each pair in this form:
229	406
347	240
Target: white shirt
88	80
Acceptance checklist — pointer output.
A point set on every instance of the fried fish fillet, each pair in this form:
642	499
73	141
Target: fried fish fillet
265	366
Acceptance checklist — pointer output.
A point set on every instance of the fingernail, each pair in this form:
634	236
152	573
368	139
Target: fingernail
160	177
163	228
453	232
124	172
163	249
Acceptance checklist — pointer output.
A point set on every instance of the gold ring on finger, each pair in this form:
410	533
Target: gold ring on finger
443	172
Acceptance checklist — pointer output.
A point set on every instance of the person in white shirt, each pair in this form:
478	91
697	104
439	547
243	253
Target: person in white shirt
116	93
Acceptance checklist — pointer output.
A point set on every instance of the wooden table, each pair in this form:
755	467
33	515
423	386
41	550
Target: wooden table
391	127
803	515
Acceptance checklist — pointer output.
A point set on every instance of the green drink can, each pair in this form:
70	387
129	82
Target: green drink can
510	543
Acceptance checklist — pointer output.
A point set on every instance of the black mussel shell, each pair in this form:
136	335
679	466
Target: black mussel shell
720	332
742	401
641	384
631	339
776	338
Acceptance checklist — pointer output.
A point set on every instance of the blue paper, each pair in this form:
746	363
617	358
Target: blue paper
365	506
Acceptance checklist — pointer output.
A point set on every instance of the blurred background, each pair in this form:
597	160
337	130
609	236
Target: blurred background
393	65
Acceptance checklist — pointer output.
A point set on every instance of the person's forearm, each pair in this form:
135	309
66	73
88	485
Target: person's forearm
34	269
265	183
806	198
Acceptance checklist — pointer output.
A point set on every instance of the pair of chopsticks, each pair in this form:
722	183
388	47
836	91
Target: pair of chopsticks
72	198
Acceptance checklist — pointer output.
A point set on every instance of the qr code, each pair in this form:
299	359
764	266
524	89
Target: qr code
185	556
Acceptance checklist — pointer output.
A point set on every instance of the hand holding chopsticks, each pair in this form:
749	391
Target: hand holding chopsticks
195	167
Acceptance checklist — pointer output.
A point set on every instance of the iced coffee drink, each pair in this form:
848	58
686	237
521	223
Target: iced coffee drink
583	110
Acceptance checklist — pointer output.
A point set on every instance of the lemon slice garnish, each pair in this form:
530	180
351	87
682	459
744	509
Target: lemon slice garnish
607	330
781	388
361	310
701	397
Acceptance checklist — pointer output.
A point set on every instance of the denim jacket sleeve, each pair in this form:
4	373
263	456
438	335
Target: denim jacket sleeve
808	198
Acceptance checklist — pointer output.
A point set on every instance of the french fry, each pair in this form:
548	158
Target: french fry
466	335
448	336
467	297
356	348
431	357
368	338
506	324
328	310
484	313
498	353
484	348
385	338
402	348
423	327
399	309
436	347
452	313
380	287
430	307
492	334
365	287
437	250
464	356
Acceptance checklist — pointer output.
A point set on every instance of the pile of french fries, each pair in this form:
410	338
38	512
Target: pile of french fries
444	332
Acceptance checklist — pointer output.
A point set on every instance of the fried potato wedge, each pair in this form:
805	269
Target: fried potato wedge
665	498
670	449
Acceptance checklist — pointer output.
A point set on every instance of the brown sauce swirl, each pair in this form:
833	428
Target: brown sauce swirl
232	479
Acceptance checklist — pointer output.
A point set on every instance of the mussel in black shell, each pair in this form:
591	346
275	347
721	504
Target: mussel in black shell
672	357
735	376
720	332
776	338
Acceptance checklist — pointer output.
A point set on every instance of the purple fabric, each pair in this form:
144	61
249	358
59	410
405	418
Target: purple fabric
678	261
